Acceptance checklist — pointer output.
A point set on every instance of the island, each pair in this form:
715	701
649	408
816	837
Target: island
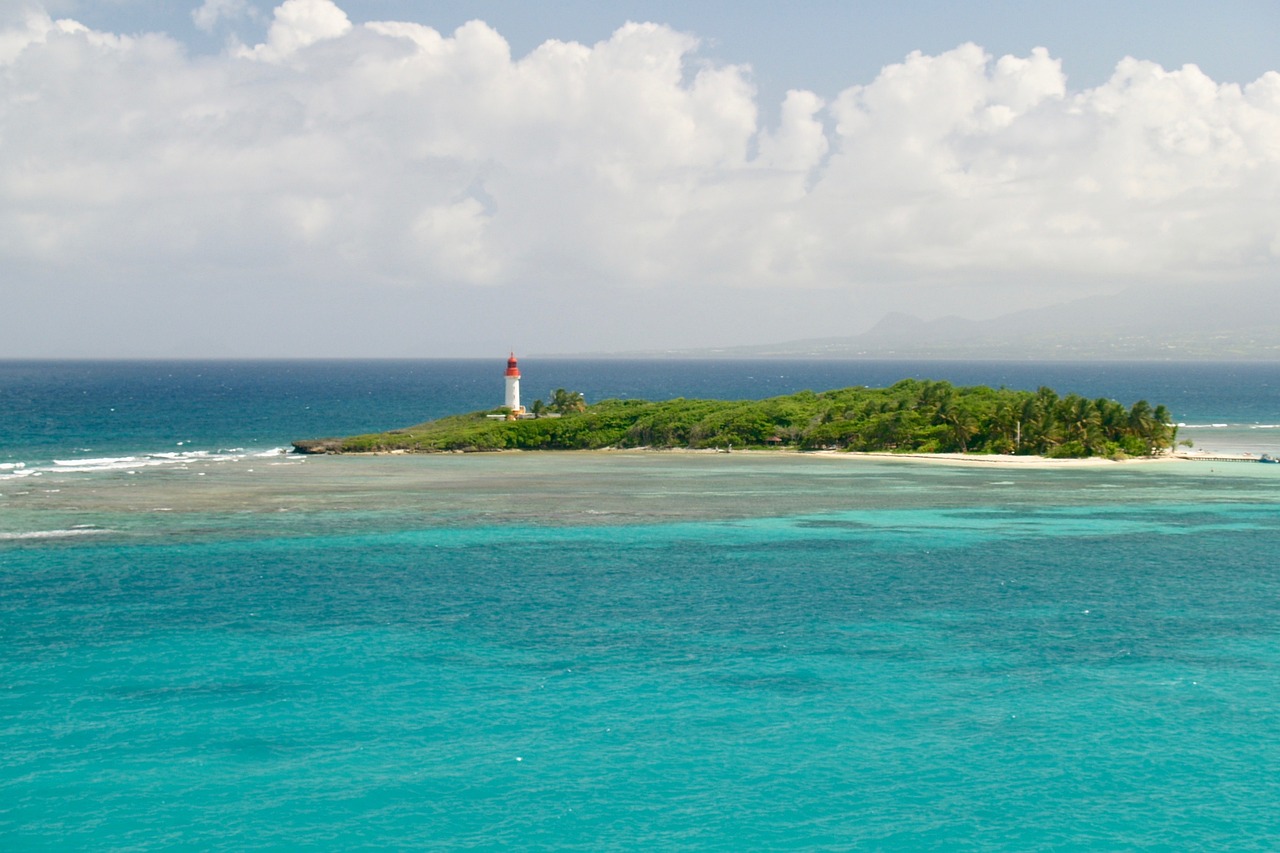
913	416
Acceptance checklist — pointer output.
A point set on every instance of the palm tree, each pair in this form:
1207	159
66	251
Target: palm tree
960	423
567	401
1080	421
1113	418
1037	431
1006	429
1166	431
1142	423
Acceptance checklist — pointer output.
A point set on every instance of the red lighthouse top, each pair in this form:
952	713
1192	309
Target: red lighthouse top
512	370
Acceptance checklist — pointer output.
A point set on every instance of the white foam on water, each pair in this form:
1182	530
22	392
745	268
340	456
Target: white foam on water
102	462
79	530
131	464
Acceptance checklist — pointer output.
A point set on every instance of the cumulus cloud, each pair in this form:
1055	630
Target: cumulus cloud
207	16
298	24
388	154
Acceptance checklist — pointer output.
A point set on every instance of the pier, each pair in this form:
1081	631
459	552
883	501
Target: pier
1222	457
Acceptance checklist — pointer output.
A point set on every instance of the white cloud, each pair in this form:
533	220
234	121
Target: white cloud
800	143
391	154
211	12
299	24
31	26
995	170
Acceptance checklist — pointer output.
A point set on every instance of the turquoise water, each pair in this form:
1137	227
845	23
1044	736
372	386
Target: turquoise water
613	651
618	651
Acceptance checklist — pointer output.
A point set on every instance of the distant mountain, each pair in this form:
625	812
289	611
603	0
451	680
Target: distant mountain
1224	323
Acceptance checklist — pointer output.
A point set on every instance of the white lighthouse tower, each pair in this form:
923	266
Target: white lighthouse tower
513	386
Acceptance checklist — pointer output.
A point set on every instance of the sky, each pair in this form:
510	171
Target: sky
387	178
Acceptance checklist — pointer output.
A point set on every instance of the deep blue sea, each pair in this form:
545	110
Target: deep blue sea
206	644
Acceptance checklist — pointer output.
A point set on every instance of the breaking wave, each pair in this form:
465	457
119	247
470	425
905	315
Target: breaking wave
101	464
81	530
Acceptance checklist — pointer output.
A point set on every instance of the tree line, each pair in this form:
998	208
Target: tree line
919	416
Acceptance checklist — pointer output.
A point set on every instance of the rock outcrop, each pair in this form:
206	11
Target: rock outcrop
318	445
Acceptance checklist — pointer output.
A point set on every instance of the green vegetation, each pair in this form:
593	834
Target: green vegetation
913	416
562	402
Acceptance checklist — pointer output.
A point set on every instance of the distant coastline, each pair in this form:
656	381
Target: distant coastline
1118	327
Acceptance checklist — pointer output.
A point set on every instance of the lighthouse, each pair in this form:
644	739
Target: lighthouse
513	386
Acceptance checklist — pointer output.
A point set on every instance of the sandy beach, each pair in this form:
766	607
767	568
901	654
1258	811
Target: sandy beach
994	460
990	460
1008	460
